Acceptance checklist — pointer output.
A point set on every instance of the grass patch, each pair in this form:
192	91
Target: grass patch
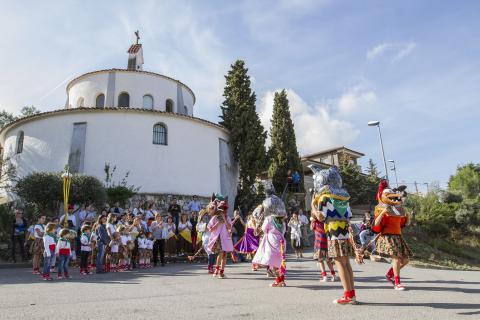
458	252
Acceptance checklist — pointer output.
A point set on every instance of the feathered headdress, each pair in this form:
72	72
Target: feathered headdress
382	186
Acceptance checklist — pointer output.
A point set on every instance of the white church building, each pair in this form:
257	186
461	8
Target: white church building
139	121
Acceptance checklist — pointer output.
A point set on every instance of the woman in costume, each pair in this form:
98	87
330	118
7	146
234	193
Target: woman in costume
390	218
330	203
248	244
271	251
185	235
220	227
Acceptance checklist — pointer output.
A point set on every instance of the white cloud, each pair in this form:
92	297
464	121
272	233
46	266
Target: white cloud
315	128
393	50
355	98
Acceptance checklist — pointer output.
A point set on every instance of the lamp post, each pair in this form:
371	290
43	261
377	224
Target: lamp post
394	169
377	124
67	178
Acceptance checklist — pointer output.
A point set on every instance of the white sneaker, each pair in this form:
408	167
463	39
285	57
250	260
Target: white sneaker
324	279
333	278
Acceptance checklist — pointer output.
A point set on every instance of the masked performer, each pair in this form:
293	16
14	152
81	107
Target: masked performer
248	244
330	203
390	218
271	250
220	226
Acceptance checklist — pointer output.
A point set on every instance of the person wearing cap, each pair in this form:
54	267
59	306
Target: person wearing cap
220	241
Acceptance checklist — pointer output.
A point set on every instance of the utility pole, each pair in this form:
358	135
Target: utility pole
416	187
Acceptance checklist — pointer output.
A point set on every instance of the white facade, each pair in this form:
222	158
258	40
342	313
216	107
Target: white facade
141	122
84	90
190	163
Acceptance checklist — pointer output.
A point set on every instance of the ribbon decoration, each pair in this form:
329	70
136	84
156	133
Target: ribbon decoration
67	179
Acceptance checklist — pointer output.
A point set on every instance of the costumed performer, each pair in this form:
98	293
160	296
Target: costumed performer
331	202
271	251
220	227
390	218
248	243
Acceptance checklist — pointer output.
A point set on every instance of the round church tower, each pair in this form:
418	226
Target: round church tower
139	121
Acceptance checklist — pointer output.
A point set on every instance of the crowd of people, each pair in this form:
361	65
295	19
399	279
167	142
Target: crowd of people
122	239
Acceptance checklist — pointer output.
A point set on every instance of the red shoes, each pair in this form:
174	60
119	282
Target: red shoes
348	298
279	282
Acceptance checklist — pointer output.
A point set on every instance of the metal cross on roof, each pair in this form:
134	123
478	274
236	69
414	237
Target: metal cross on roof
137	34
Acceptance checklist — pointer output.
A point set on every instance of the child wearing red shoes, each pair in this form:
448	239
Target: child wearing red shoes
64	252
114	249
142	250
85	249
149	250
49	250
321	248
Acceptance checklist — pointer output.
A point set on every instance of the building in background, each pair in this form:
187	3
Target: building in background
139	121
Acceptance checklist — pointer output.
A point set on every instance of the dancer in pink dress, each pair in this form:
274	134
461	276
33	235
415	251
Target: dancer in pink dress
220	227
271	251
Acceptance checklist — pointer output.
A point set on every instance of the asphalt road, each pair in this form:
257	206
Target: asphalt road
185	291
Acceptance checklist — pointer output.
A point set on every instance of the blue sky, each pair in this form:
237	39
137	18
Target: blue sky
413	65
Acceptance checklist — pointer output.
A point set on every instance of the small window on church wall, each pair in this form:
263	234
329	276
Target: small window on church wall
169	105
185	110
148	101
80	102
20	138
100	101
124	100
160	134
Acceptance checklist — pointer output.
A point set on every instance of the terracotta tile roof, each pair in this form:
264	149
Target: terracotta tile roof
134	48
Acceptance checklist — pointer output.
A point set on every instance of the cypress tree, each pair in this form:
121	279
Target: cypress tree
283	150
247	135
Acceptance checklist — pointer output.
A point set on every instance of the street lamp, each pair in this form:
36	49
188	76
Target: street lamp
377	124
394	170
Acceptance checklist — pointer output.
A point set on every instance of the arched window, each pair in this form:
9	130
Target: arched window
160	134
80	102
20	142
185	110
100	101
148	101
169	105
124	100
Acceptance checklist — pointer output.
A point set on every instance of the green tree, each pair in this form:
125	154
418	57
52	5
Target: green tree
41	189
247	135
29	111
283	152
466	181
87	190
371	184
6	118
353	181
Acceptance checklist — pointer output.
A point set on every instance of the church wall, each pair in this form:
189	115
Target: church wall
88	88
189	164
136	84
